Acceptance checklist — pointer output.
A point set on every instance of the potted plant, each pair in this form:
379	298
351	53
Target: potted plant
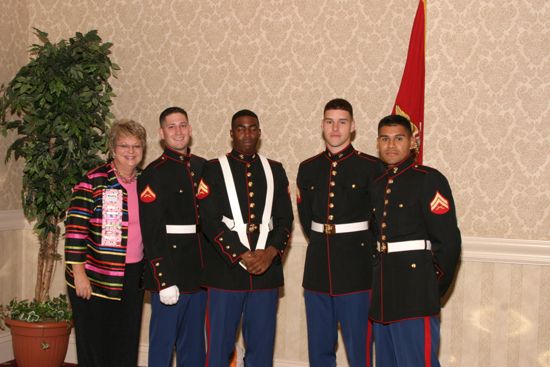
38	326
58	105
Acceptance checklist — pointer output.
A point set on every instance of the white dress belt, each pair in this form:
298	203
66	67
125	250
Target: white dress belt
413	245
230	223
238	224
339	228
181	229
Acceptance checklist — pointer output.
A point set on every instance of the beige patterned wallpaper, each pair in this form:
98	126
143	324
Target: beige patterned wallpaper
14	29
487	87
487	119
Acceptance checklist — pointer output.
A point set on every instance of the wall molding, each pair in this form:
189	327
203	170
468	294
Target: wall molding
496	250
479	249
507	251
11	220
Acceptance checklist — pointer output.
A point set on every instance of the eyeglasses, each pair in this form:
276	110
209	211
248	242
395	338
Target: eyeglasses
129	147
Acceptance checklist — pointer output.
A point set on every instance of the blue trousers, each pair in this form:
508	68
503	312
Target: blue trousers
407	343
180	326
323	313
258	310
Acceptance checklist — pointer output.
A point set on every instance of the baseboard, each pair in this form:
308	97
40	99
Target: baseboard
6	353
6	350
287	363
143	354
71	352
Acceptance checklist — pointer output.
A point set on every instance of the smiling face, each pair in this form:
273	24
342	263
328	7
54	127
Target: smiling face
128	152
176	132
394	144
245	132
337	126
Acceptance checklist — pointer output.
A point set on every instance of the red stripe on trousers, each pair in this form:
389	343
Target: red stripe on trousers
207	325
427	343
369	343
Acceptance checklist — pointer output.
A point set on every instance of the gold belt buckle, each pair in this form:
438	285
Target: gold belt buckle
252	227
329	229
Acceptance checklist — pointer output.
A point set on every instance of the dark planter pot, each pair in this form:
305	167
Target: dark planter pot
41	344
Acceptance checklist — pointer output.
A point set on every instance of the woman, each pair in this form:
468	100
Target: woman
104	252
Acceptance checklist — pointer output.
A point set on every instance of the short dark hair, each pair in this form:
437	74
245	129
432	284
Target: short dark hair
169	111
392	120
242	113
339	104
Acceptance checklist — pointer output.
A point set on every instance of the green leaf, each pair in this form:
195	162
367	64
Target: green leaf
58	104
52	309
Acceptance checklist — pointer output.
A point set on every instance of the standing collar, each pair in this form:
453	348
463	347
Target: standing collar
177	156
401	167
339	155
243	157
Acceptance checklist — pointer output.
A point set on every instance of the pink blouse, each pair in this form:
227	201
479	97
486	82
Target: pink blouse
134	250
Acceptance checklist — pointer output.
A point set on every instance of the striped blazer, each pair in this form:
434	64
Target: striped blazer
96	231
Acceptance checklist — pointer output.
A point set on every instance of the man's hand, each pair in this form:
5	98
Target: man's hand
82	284
260	260
245	258
170	295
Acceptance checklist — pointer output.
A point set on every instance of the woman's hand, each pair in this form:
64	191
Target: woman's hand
81	282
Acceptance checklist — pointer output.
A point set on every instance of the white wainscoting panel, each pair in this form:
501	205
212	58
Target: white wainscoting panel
6	350
497	314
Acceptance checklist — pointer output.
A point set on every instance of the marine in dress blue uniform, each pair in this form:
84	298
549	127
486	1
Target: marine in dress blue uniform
173	247
243	268
417	250
333	204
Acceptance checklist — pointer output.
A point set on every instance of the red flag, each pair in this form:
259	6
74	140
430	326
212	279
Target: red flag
410	98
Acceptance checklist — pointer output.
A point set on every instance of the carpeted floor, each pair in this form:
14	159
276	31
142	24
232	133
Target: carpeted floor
13	364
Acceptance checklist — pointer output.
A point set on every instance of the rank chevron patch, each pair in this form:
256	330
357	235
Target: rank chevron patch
439	205
148	195
203	190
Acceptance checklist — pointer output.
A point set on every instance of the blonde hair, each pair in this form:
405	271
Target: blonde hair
129	128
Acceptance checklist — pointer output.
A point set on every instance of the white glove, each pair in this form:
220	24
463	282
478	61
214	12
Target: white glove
170	295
